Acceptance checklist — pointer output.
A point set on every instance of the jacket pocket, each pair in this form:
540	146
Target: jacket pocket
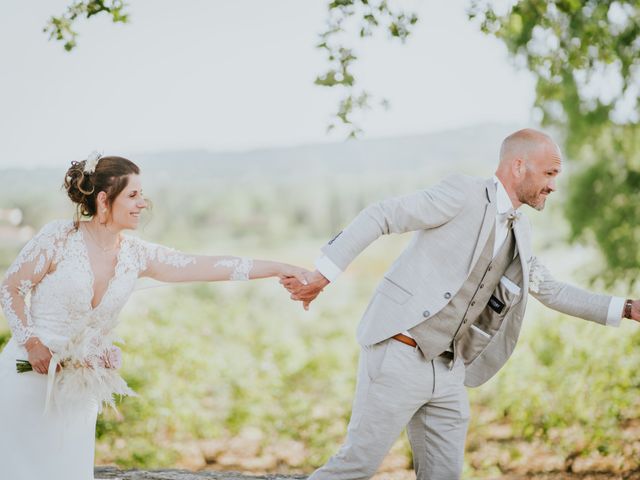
395	292
503	298
508	293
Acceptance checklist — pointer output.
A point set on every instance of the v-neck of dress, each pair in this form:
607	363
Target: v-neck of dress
85	246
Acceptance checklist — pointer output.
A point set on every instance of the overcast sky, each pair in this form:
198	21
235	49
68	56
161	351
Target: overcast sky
233	75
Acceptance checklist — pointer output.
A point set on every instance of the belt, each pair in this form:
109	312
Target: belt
412	343
406	340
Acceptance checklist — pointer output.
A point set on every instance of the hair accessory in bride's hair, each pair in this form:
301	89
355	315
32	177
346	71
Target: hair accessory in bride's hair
92	162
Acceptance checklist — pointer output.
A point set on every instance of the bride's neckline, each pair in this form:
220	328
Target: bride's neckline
94	302
85	226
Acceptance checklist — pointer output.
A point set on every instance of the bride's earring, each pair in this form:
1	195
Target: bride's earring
102	219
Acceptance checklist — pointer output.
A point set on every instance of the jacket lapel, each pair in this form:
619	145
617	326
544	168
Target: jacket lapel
523	242
488	221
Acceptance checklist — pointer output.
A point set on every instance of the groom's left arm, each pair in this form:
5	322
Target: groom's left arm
574	301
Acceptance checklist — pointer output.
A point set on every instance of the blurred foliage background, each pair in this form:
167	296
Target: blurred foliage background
236	376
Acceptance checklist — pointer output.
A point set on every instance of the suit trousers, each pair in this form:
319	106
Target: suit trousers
397	388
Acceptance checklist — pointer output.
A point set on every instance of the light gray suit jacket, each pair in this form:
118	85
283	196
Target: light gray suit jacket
452	222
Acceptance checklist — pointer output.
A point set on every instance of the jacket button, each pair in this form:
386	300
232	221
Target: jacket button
426	313
447	295
473	302
482	285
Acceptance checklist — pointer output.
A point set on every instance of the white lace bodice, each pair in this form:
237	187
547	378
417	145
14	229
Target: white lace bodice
54	268
60	307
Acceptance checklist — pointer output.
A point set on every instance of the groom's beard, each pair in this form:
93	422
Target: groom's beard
531	195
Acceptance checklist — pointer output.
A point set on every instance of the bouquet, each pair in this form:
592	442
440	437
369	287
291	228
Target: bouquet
88	365
111	358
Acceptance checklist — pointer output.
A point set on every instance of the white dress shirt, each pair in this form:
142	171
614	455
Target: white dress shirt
503	204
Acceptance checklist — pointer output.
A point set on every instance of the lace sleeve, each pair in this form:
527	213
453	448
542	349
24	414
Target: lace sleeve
160	262
239	268
25	273
169	265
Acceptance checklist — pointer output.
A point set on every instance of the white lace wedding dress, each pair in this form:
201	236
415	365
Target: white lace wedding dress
47	423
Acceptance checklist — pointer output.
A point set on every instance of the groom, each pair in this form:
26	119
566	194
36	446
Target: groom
448	312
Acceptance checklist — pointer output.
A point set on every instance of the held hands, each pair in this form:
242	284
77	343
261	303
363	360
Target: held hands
305	292
297	274
635	310
39	355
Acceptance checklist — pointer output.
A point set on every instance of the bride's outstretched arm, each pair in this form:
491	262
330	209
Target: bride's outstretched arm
167	265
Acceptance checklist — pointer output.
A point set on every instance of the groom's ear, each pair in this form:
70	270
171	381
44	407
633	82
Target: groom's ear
518	167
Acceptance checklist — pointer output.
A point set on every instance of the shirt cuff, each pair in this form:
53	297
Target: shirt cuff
327	268
614	316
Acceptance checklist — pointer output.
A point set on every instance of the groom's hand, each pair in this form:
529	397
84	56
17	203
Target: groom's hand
635	310
305	293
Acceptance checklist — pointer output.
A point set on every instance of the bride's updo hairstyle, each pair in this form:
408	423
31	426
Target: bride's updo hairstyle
83	182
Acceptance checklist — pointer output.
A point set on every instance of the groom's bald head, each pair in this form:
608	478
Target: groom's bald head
529	162
525	144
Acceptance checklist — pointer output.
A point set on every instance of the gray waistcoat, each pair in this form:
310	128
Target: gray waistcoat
459	323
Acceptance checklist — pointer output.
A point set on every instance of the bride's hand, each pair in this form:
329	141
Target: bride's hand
299	273
39	355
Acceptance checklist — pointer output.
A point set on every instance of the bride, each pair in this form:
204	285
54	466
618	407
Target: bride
79	274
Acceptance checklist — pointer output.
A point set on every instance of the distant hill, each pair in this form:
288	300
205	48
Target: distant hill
472	150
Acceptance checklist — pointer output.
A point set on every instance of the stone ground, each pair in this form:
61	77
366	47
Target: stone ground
104	473
108	473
